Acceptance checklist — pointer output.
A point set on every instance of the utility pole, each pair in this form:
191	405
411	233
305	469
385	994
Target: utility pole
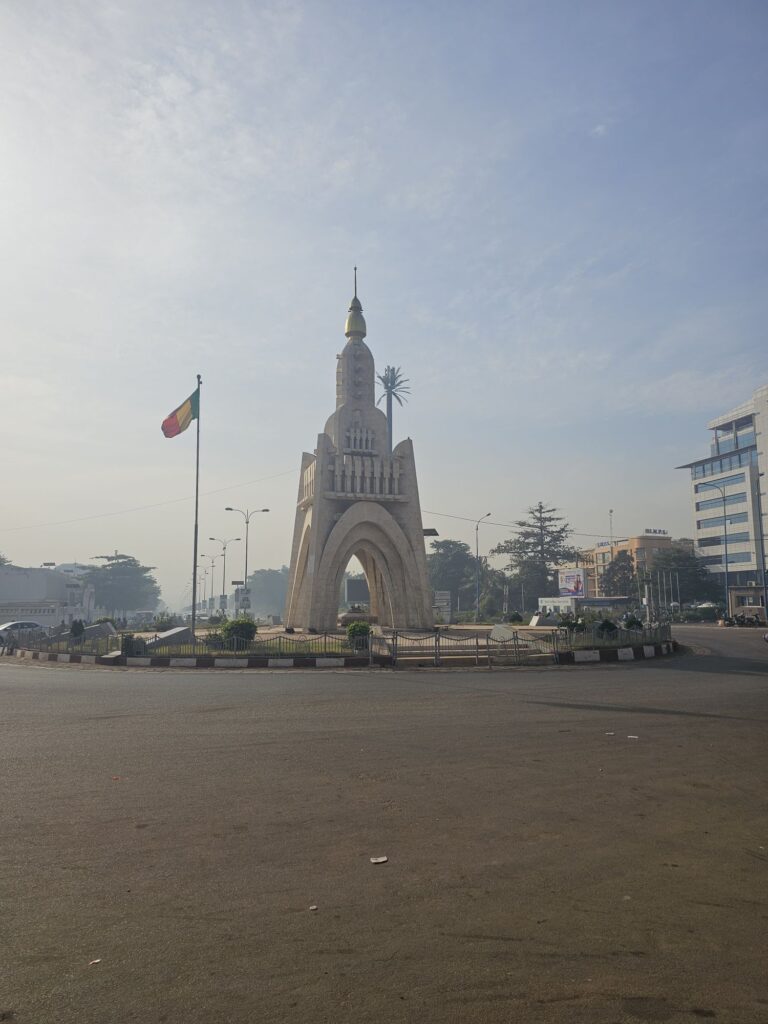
477	565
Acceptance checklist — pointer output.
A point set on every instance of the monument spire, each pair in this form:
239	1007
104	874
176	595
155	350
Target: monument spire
355	326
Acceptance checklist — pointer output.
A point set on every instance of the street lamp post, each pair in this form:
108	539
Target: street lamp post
717	487
247	517
477	565
213	565
224	544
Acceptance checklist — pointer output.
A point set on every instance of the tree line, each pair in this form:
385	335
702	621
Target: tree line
534	555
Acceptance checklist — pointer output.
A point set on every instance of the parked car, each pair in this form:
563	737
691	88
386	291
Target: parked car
22	626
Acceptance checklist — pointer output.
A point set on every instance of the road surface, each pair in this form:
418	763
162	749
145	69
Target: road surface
564	845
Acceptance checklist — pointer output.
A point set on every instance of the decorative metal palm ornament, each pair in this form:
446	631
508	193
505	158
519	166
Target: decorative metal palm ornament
394	385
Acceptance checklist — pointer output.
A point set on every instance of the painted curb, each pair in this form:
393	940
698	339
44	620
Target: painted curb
617	653
611	654
201	661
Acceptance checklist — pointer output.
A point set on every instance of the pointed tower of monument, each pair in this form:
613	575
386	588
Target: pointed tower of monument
357	498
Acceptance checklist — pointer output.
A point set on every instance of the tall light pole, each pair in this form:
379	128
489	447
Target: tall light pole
224	543
477	565
247	517
213	564
717	487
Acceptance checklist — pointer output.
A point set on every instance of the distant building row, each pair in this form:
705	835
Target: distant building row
46	595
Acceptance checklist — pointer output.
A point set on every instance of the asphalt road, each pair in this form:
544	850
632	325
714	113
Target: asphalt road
175	827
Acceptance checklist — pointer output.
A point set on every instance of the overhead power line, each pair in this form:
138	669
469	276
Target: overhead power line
507	526
143	508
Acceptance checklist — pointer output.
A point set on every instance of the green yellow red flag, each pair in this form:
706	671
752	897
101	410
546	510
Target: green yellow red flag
180	418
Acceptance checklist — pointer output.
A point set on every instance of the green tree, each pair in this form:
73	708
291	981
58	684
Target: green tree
541	545
268	589
619	577
451	566
395	385
696	583
122	584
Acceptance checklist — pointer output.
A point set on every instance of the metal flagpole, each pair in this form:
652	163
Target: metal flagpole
197	499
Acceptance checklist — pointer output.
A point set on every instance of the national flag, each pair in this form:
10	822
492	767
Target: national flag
180	418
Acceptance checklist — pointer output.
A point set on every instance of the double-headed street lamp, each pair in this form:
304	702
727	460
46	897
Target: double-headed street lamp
224	543
247	517
717	487
477	565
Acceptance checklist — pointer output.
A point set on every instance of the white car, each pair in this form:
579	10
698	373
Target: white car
20	627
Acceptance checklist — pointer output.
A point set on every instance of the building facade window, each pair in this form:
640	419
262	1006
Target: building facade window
733	538
707	524
710	467
727	481
733	558
730	499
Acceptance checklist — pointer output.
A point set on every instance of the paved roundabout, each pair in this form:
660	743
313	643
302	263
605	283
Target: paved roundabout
569	844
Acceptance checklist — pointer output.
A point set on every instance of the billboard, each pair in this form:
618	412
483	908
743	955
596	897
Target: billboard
572	582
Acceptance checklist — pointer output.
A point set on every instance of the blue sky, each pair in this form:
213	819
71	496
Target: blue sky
558	211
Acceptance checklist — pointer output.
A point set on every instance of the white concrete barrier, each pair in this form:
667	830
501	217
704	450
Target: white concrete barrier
280	663
138	661
329	663
183	663
230	663
649	651
586	656
626	654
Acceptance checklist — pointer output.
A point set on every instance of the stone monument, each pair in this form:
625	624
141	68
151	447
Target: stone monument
356	497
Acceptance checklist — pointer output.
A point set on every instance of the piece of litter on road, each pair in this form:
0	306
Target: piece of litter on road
626	897
313	907
379	860
610	734
633	737
94	962
116	778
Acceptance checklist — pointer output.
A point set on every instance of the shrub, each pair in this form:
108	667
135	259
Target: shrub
709	614
164	622
358	629
515	617
358	633
606	626
243	629
76	629
632	622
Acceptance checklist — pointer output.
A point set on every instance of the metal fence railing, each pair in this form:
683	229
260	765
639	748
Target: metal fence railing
396	647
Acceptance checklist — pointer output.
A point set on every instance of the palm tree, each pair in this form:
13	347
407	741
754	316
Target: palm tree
395	385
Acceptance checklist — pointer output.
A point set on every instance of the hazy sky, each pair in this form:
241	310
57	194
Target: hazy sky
558	210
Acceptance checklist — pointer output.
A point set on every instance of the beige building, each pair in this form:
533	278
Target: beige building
642	549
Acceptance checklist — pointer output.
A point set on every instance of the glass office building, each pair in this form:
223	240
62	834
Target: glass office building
729	500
